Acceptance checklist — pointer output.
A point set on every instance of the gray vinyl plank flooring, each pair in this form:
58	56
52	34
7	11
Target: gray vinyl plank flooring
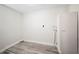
31	48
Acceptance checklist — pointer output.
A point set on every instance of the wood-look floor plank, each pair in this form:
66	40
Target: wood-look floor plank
31	48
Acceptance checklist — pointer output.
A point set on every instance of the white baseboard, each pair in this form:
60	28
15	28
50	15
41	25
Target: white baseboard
39	42
10	46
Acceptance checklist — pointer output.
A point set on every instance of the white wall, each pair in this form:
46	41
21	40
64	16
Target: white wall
10	26
32	26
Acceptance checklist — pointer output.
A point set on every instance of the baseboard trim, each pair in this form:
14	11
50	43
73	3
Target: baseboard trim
39	42
10	45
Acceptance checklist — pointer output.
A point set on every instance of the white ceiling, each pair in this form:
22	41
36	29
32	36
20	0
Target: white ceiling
24	8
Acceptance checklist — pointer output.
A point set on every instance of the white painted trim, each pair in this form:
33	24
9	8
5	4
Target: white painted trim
9	46
39	42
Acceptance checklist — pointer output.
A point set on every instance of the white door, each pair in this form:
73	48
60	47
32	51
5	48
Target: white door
67	33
